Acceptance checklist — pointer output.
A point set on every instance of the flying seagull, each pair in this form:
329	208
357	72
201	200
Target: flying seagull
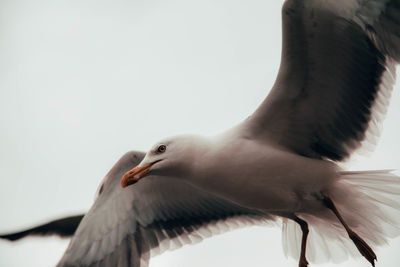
335	80
333	87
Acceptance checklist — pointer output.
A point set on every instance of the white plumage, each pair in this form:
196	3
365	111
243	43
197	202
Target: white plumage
331	93
297	118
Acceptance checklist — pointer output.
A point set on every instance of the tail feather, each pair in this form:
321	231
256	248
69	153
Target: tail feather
369	201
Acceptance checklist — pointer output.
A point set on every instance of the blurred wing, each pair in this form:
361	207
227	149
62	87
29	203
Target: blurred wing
125	227
335	79
64	227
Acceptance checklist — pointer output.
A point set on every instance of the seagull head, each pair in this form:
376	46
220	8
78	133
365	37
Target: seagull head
170	157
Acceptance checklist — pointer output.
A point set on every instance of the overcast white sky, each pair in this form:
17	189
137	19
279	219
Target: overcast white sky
82	82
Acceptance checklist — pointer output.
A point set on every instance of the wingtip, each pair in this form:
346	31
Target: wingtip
13	236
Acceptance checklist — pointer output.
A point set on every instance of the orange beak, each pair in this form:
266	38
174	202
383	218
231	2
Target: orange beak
135	174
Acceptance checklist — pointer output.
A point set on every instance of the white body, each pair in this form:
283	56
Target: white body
267	178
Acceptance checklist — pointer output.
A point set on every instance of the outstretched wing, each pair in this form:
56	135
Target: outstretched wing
335	79
125	226
64	227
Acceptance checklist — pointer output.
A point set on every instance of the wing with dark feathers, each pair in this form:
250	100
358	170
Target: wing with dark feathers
126	226
336	77
64	227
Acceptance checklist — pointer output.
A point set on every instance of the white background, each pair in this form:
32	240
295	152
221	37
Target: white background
82	82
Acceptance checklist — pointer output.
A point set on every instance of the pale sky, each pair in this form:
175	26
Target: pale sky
82	82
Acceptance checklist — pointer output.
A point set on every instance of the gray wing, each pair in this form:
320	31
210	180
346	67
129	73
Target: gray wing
335	79
64	227
125	226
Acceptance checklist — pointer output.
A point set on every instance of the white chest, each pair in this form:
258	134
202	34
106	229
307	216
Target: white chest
262	177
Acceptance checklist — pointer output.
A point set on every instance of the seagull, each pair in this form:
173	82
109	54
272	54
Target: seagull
280	164
332	91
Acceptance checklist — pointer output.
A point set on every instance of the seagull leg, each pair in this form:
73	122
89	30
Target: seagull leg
361	245
304	228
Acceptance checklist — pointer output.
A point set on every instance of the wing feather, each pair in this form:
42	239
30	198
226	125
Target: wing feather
64	227
125	227
336	77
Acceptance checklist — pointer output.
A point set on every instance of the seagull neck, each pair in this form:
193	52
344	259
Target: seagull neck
210	160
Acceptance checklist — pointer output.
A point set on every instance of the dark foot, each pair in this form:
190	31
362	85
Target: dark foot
363	247
304	228
303	262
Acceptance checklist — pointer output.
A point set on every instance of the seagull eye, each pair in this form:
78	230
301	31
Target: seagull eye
161	149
